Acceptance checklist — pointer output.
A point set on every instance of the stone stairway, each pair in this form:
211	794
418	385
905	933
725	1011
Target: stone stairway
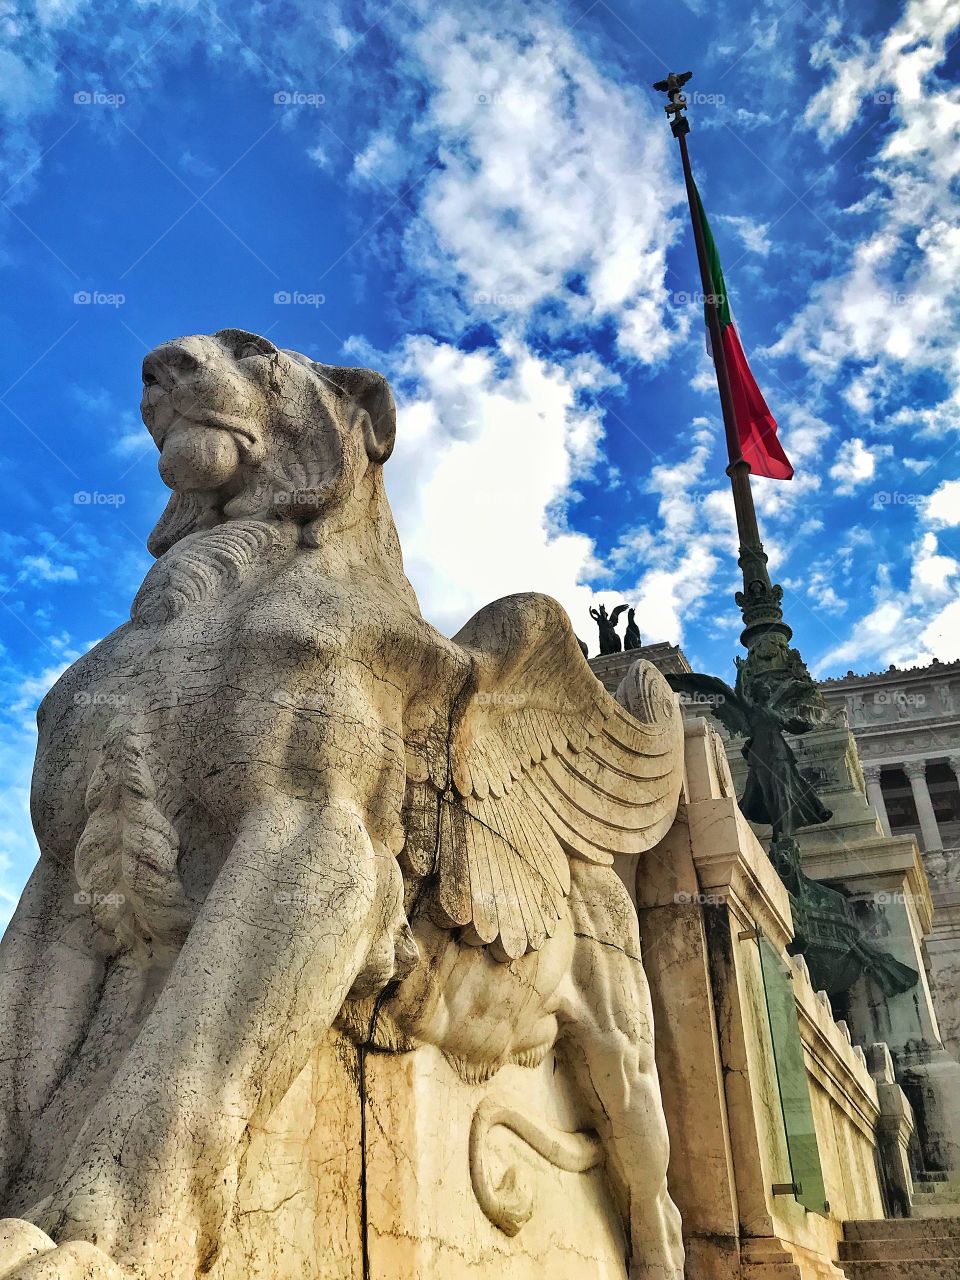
937	1196
901	1249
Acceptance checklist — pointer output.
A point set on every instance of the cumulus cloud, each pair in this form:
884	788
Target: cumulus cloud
943	505
489	444
44	569
539	209
893	311
880	330
754	235
856	464
911	622
20	693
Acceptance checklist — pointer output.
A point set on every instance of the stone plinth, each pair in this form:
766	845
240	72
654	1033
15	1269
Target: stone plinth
610	668
701	895
399	1161
887	881
943	947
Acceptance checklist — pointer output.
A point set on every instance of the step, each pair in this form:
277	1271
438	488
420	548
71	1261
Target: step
916	1248
917	1269
901	1228
934	1210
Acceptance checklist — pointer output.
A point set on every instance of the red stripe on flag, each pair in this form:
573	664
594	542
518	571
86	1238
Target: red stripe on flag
756	426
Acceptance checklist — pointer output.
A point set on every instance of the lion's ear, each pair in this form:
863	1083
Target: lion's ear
371	392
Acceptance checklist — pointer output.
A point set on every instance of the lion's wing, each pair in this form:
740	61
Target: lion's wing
544	764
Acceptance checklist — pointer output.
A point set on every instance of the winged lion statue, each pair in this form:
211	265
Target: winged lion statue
277	799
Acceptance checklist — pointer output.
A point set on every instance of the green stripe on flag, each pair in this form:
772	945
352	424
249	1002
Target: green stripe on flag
716	271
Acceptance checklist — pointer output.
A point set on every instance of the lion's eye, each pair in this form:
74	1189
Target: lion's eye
250	349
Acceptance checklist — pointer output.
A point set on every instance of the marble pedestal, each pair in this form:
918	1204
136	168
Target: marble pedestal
701	895
886	880
344	1186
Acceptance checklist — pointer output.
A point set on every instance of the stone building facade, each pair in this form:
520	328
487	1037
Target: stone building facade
886	764
907	728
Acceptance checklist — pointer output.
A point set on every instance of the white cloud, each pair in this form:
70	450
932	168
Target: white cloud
907	627
856	464
674	565
45	570
894	310
943	505
541	197
754	235
488	447
20	693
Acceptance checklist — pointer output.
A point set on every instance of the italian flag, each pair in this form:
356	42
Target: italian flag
756	425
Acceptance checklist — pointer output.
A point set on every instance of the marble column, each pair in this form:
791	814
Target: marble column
871	773
916	771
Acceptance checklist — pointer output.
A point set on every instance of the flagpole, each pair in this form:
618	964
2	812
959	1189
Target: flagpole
760	599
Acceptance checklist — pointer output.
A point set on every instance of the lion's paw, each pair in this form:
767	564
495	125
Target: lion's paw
391	958
26	1253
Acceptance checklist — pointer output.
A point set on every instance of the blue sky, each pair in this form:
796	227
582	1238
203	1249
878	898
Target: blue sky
484	202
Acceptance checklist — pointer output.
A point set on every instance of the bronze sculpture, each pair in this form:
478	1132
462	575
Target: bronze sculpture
631	637
607	626
763	708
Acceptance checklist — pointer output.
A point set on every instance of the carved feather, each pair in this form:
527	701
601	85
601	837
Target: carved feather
544	765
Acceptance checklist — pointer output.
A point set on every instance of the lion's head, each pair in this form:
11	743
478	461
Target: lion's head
246	430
